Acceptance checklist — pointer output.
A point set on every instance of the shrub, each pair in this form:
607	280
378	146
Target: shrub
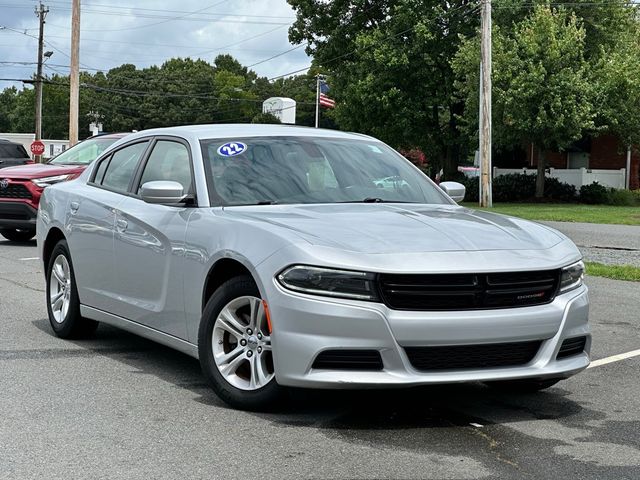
595	194
515	187
623	198
556	190
472	186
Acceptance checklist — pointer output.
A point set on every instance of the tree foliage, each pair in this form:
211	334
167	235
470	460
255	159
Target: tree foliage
178	92
389	62
557	78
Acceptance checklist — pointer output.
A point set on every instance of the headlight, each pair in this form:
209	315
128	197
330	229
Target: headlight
46	181
329	282
572	277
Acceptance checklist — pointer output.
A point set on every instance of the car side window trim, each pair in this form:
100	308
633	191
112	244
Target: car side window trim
137	177
143	157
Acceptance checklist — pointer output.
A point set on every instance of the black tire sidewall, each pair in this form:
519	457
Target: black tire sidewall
264	398
70	325
16	235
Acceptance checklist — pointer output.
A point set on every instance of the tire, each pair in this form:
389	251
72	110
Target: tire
524	386
17	235
235	351
64	312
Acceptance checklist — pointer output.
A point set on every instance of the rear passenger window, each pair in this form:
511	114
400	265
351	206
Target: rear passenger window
102	166
168	161
121	167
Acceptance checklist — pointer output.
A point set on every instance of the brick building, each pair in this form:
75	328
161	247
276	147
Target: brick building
603	153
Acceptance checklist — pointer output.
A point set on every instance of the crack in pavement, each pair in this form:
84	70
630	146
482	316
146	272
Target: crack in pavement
23	285
54	353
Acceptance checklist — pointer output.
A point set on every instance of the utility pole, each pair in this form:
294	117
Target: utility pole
74	74
41	13
486	199
317	100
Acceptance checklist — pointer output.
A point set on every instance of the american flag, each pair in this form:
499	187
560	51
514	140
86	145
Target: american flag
326	101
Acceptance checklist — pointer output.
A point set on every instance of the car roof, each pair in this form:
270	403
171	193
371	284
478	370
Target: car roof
109	135
240	130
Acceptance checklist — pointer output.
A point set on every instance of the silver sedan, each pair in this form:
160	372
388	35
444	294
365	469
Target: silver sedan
281	257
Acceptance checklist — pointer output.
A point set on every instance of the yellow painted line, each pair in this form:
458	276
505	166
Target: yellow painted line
615	358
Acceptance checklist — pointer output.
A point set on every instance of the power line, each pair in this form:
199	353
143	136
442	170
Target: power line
332	60
167	20
128	9
278	55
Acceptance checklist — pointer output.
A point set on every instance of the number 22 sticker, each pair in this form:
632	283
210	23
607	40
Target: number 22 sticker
231	149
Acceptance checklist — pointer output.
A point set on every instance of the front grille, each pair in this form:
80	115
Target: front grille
348	360
460	357
572	346
15	190
468	291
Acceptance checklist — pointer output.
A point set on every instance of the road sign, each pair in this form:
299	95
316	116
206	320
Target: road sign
37	147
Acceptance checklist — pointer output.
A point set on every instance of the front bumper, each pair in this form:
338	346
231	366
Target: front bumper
304	326
17	214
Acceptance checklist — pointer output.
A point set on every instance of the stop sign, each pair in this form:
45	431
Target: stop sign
37	147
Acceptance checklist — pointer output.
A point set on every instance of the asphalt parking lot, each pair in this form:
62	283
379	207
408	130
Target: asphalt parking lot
118	406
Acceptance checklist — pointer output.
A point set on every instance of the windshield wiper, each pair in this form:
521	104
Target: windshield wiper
377	200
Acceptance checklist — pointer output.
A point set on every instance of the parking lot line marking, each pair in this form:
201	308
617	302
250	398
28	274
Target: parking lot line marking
29	258
615	358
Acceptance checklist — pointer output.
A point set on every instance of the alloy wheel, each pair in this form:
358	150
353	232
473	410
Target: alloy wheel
60	288
241	344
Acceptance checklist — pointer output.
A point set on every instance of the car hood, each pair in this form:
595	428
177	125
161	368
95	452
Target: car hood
401	228
39	170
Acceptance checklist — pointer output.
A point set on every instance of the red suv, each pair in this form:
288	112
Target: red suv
21	186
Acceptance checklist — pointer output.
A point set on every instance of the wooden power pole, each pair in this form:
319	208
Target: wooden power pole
41	12
486	199
74	74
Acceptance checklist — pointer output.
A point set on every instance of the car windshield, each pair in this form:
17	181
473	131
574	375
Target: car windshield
84	152
286	170
12	150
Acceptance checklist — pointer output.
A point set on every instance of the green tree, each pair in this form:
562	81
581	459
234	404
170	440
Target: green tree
390	66
7	105
618	87
542	86
265	118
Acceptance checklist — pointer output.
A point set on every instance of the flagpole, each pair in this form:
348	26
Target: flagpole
317	99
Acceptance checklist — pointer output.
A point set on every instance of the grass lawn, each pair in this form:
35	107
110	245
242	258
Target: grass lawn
567	212
617	272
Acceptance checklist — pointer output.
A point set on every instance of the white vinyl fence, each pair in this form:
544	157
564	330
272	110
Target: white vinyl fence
576	177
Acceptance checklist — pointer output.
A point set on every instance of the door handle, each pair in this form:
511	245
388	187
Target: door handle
121	225
74	206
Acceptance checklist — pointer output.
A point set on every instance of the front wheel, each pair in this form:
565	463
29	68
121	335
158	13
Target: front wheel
17	235
234	346
63	303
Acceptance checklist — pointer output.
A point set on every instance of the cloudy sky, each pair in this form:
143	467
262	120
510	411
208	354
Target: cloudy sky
113	32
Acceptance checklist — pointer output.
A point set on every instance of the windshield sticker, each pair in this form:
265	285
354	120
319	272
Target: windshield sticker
231	149
374	149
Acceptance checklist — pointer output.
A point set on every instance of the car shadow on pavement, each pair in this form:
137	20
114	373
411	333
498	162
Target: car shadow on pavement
7	243
419	407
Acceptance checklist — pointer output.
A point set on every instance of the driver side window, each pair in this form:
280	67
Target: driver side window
118	173
169	160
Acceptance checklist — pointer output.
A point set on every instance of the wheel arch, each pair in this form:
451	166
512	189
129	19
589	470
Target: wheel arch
222	270
53	237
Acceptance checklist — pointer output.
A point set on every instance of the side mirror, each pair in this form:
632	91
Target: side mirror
454	189
162	191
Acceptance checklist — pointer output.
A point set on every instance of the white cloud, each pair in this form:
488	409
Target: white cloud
114	32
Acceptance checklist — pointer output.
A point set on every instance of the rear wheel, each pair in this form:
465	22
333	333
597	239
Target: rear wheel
525	385
17	234
234	346
63	303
